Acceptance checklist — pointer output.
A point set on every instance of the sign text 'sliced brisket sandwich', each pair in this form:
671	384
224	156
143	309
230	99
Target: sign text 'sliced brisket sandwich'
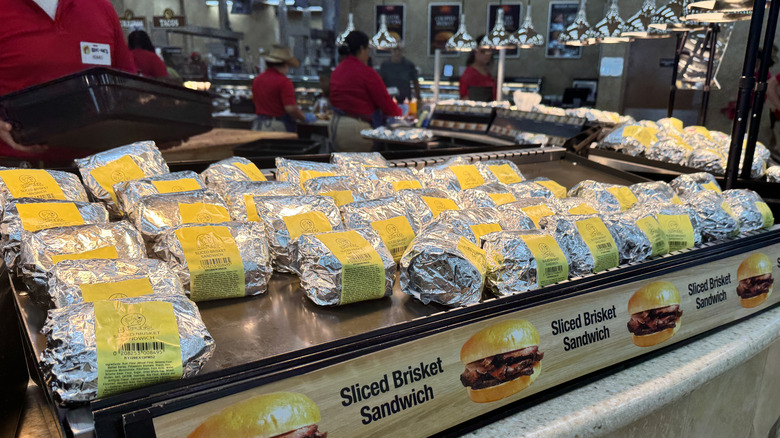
655	313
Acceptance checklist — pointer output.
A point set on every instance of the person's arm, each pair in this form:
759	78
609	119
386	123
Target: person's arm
463	84
380	98
5	136
289	102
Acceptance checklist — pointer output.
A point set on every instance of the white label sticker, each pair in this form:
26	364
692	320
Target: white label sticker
95	54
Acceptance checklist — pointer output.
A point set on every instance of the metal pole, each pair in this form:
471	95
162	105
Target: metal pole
681	38
436	74
712	32
746	84
500	75
758	96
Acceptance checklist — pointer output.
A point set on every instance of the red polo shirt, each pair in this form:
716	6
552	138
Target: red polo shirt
357	89
149	64
271	91
473	78
35	49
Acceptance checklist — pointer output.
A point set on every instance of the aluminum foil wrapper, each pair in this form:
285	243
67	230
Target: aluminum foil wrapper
272	211
709	160
595	115
357	160
758	167
418	211
743	204
321	271
511	266
524	138
129	193
617	141
604	196
714	214
645	213
445	178
362	214
238	194
387	181
773	174
669	151
297	172
517	215
678	210
654	192
469	223
39	248
648	124
408	135
66	278
564	229
436	269
689	184
157	213
70	361
70	184
489	195
574	205
323	185
11	228
252	246
720	138
144	154
494	171
633	244
225	171
530	189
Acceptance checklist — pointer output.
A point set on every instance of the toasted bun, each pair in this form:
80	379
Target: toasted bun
653	296
755	301
504	390
503	337
655	338
261	417
755	265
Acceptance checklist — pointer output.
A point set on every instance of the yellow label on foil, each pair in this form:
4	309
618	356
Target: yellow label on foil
39	216
106	252
202	213
537	212
362	269
340	197
678	229
558	190
480	230
177	185
307	223
701	130
551	264
676	123
437	205
600	242
502	198
766	214
401	185
137	345
396	233
505	174
640	134
712	186
624	196
582	209
306	175
115	290
251	171
120	170
31	183
655	234
251	208
727	208
474	254
468	176
215	264
676	200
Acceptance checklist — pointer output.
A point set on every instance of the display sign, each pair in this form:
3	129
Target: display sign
512	14
129	21
395	17
435	382
562	14
443	22
169	20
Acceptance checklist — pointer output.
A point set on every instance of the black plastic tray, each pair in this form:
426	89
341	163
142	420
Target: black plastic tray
277	148
101	108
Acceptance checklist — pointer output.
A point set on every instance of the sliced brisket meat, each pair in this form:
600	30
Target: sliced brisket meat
495	370
655	320
754	286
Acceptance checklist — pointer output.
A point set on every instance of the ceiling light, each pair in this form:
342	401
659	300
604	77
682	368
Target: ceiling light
498	38
671	17
383	40
343	35
725	5
575	34
638	25
462	41
609	29
526	36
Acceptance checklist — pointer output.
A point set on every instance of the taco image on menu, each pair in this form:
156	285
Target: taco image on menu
501	360
755	280
280	414
655	313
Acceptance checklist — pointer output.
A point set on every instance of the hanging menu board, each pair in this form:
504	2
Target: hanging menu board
512	14
395	16
443	22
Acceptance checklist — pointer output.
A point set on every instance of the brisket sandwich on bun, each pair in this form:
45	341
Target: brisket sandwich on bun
755	280
501	360
655	313
278	415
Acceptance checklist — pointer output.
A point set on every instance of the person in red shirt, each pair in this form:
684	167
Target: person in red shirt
146	60
477	72
274	96
356	93
37	47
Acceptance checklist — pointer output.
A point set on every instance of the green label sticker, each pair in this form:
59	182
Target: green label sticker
766	214
551	264
600	242
362	270
115	290
655	234
215	264
474	254
678	229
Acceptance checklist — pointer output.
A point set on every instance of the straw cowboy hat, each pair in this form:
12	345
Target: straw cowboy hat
282	54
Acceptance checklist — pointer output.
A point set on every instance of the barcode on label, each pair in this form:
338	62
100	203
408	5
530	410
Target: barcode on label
219	261
45	196
129	347
604	246
553	269
360	257
677	244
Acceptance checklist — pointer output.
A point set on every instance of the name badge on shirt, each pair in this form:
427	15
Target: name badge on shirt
95	53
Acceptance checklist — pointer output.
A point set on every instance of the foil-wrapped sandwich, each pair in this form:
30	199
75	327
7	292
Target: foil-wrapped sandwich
298	172
387	217
227	260
680	224
654	192
715	216
750	209
129	193
644	217
43	249
633	243
343	189
758	166
519	261
444	268
78	281
629	139
108	347
343	267
233	169
709	160
239	196
500	171
102	171
452	178
574	206
697	136
31	215
671	123
288	217
470	223
558	190
530	189
688	184
357	161
526	213
424	205
387	181
489	195
773	174
670	150
586	240
608	197
49	185
157	213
